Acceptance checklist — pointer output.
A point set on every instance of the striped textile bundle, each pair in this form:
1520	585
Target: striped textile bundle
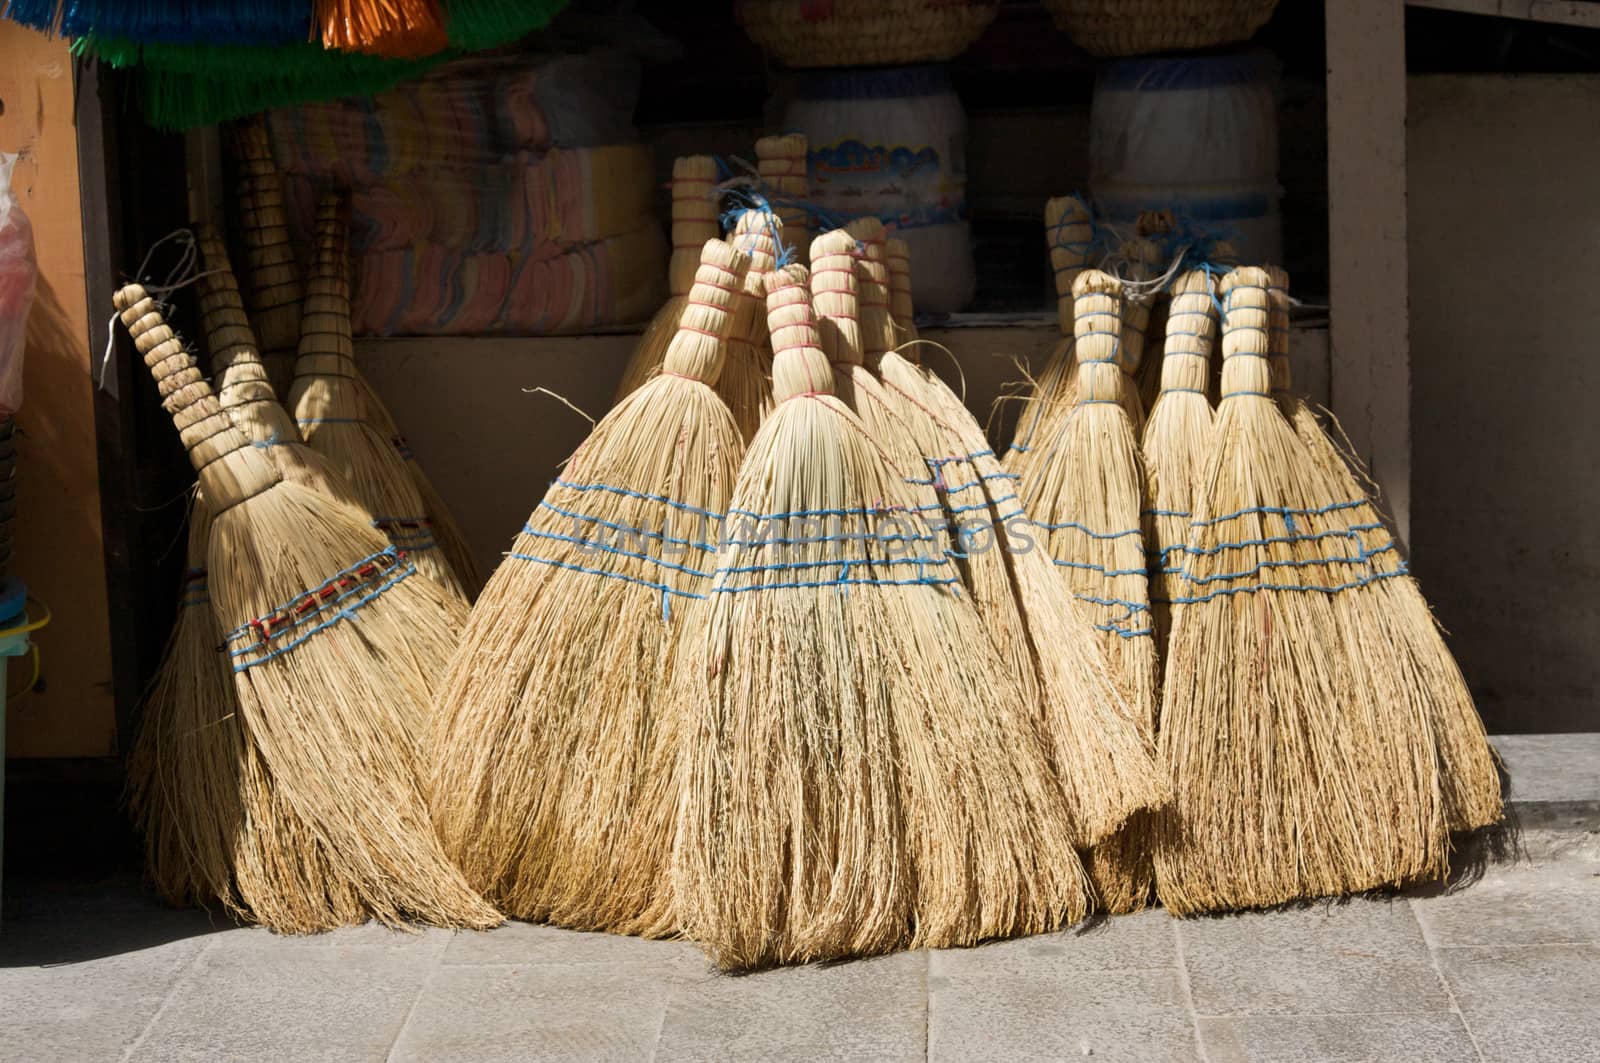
432	290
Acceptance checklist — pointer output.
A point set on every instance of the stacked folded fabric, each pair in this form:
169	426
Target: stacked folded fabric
495	195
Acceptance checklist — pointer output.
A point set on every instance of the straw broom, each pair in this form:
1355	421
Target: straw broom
1087	498
1467	762
694	221
1103	757
554	778
1297	733
333	416
781	165
1139	262
860	775
1070	236
746	380
332	646
1177	441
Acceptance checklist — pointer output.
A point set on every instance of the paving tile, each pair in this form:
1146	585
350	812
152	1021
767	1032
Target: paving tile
1327	923
1516	1036
1530	978
1560	767
527	1014
1131	1015
533	944
1143	940
1531	908
273	1000
1343	977
1428	1038
89	1009
874	1009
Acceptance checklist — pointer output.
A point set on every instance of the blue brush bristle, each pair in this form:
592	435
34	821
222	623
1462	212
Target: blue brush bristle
186	21
36	14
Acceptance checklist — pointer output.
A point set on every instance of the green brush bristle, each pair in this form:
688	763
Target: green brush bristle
475	25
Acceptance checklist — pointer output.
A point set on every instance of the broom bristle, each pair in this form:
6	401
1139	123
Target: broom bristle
860	776
1177	441
394	29
328	700
694	221
1302	762
554	768
1070	235
1467	763
1088	499
328	406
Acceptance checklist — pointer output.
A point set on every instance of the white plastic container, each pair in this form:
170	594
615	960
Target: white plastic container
891	142
1197	136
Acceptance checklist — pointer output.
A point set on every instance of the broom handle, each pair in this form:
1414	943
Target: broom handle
1246	321
1143	255
1278	331
898	257
756	234
1098	336
694	218
327	346
235	361
230	469
1191	333
781	164
1070	236
798	365
877	329
833	290
270	265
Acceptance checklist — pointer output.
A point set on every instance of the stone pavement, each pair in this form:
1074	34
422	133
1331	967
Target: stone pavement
1506	968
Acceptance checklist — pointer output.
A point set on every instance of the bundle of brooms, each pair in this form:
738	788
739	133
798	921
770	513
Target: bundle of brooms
330	643
555	764
1303	692
1087	498
275	294
694	221
860	774
185	766
1104	759
332	410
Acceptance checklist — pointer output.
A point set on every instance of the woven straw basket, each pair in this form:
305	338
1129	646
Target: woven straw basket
812	33
1140	27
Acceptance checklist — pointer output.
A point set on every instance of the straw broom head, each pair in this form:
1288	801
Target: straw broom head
1088	496
272	277
860	775
1070	236
781	164
332	646
1177	440
554	765
694	221
1302	764
746	381
1467	763
328	405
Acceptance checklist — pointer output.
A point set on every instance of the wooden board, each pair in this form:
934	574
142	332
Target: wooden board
59	550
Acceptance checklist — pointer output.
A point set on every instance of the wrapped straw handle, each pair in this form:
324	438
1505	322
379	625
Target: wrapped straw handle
1278	330
1246	323
694	218
696	350
327	343
230	469
1098	336
897	254
1191	333
235	359
781	163
877	327
798	365
1070	237
835	298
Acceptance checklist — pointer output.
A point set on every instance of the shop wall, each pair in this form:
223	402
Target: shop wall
59	548
1505	272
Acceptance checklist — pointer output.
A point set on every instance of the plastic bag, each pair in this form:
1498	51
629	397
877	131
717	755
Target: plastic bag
19	273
